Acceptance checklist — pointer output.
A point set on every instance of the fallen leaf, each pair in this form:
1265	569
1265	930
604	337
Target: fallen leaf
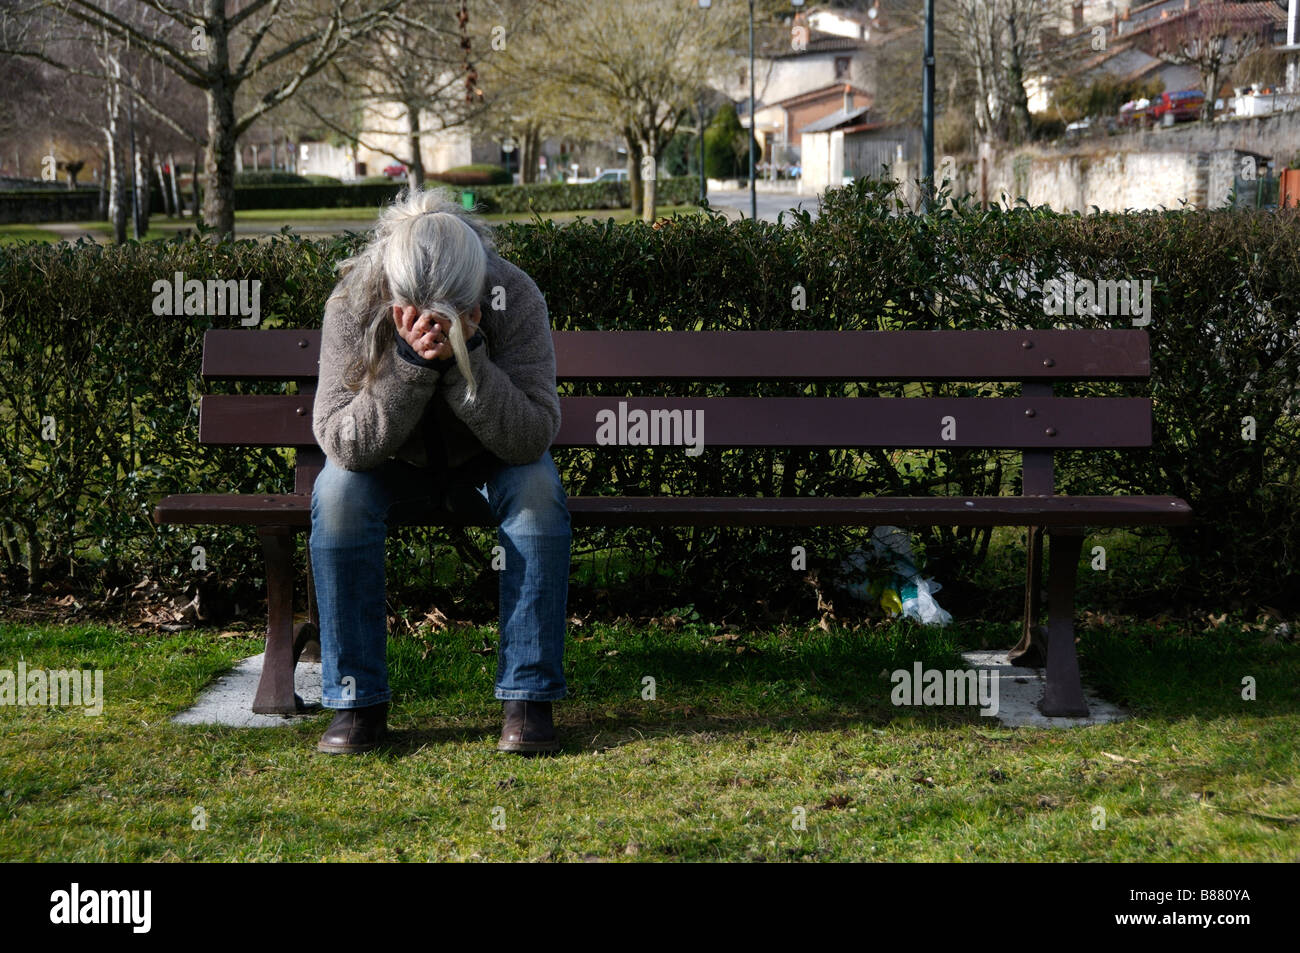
1119	758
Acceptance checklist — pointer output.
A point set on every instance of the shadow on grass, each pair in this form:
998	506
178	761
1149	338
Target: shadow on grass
1173	674
704	684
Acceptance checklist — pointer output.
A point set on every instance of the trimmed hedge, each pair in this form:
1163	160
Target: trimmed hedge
562	197
480	174
84	354
541	197
314	196
269	177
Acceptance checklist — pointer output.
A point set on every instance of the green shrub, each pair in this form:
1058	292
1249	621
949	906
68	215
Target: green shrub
726	146
268	177
562	197
81	348
317	179
480	174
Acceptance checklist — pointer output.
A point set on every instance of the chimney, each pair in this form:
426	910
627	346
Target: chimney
848	97
1077	10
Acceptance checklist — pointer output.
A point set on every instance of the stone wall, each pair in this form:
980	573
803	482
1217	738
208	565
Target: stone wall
1276	135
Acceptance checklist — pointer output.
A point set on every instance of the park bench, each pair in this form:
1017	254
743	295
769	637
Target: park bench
1037	423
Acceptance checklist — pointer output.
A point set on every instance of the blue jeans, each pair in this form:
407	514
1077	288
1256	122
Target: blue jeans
350	511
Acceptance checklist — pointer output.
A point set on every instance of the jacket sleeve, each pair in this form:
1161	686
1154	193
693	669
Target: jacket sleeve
516	414
359	430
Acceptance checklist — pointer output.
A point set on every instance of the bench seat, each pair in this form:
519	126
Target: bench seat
1036	423
295	510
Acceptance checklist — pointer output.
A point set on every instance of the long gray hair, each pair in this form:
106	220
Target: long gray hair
426	252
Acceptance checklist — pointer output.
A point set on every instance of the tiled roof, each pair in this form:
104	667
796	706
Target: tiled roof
836	119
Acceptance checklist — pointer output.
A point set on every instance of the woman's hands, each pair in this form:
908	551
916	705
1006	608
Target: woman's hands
427	333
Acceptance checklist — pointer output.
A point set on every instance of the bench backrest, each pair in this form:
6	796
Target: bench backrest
1036	422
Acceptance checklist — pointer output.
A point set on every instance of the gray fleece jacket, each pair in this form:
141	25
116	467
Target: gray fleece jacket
517	411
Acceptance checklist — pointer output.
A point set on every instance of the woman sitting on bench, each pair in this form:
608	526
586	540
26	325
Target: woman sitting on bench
405	422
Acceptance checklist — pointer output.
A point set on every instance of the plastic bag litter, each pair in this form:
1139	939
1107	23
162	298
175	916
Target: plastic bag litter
897	584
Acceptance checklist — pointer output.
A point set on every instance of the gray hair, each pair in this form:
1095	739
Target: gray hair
427	252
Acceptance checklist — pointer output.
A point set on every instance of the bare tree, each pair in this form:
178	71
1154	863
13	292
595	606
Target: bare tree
108	87
1214	37
218	47
410	79
634	66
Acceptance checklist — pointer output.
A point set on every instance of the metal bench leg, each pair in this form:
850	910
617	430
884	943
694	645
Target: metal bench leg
275	690
1063	696
1031	651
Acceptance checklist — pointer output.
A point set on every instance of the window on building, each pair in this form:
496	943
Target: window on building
842	67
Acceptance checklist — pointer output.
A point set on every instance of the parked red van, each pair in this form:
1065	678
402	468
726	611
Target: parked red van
1183	105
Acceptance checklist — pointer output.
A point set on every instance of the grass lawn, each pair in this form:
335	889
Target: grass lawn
345	219
747	730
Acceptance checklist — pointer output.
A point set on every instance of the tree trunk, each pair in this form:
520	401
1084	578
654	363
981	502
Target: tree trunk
529	151
142	185
162	187
1019	118
1211	80
415	167
634	172
116	183
219	163
649	185
176	192
116	166
194	184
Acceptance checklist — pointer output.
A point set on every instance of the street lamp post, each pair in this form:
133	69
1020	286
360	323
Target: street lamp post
753	119
753	122
753	126
927	108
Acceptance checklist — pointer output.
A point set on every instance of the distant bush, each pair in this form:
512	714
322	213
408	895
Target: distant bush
481	174
267	177
316	179
562	197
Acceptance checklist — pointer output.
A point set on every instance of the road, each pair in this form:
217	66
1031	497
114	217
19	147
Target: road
770	204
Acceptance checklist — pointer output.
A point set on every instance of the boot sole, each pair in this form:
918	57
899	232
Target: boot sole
346	749
528	747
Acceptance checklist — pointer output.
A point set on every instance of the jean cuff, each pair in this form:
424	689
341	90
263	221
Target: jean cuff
530	696
365	702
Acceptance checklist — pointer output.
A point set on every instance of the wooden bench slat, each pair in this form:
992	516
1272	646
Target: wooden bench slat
295	510
894	422
987	355
991	355
273	354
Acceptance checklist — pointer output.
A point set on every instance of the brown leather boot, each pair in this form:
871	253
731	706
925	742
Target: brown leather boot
354	730
528	728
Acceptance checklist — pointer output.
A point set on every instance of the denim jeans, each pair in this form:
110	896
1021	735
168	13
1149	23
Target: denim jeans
350	513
